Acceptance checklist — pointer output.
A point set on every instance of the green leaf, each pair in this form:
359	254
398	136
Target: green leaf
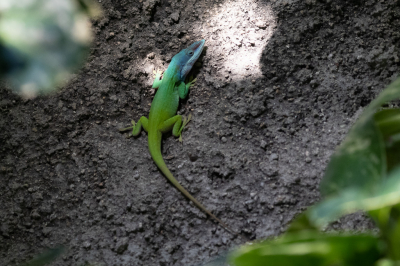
388	122
360	174
359	162
383	194
357	178
388	219
392	92
310	248
302	222
387	262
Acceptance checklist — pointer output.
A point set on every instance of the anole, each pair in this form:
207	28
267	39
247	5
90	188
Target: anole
163	118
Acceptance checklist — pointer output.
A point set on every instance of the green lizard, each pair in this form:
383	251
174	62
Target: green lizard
163	118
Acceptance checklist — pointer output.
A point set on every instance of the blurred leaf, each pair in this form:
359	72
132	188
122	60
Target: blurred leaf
383	194
359	162
388	122
392	152
387	262
310	248
10	60
392	92
357	176
90	7
46	258
388	219
50	37
302	222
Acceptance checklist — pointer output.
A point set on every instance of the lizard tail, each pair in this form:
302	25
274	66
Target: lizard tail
155	151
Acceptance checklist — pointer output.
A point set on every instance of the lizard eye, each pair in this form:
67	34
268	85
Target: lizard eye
191	53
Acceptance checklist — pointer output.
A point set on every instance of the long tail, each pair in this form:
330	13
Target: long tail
155	151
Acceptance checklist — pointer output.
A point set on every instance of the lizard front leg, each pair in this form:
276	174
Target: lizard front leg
157	81
136	128
183	89
176	124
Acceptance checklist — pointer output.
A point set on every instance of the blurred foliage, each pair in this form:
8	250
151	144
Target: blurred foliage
309	248
363	174
43	41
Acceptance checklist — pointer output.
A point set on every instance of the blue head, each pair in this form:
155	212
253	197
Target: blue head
186	58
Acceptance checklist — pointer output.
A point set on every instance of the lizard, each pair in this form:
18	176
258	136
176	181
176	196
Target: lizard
163	118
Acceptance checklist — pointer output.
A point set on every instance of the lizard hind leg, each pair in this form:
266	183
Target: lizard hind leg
186	120
137	127
176	124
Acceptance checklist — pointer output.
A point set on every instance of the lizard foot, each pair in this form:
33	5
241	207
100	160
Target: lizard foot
127	128
157	79
157	74
186	120
191	82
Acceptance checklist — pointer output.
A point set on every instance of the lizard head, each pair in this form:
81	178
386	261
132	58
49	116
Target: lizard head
187	57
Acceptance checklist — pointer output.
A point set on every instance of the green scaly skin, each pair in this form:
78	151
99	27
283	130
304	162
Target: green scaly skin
163	118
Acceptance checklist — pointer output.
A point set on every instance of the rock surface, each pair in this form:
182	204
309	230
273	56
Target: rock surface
278	88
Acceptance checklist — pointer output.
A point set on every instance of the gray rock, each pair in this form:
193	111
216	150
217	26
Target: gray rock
122	245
